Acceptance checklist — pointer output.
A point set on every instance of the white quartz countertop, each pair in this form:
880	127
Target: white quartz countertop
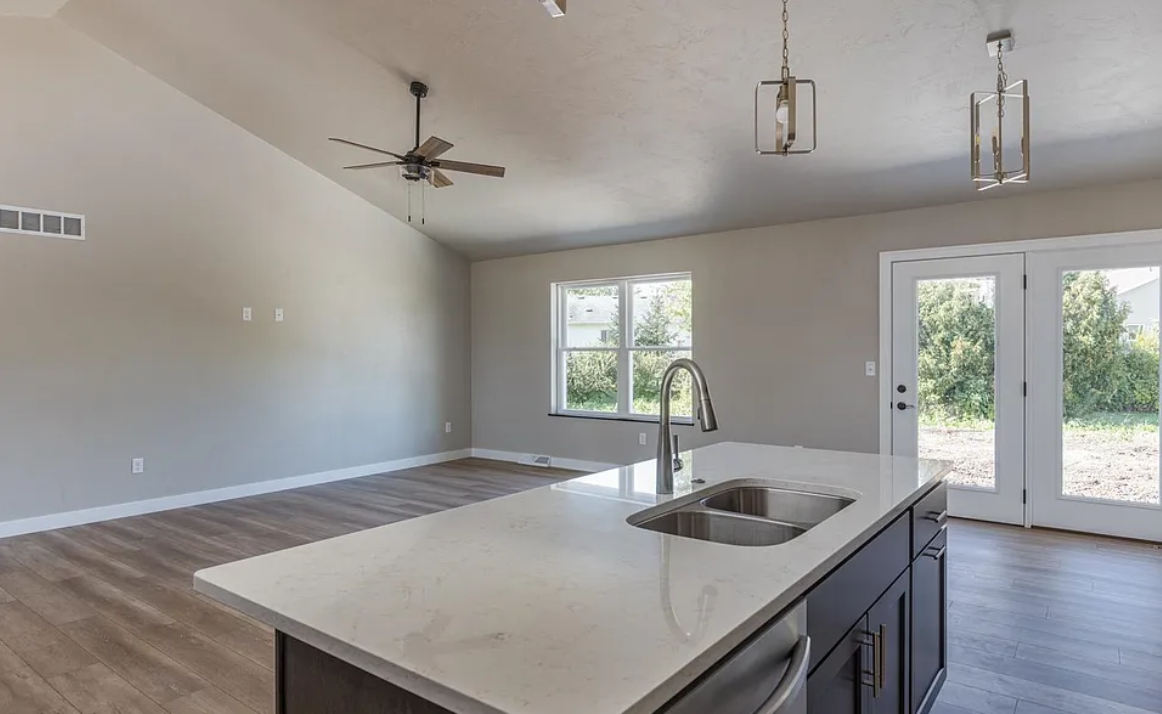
548	601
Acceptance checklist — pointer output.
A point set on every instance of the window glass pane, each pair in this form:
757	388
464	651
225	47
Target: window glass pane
593	316
1110	384
648	368
956	366
662	314
591	381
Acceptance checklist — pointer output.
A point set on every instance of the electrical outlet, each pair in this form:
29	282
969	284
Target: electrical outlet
870	369
447	427
139	466
247	314
641	439
278	316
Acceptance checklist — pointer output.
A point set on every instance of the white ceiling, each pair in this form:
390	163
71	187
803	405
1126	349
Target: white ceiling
632	119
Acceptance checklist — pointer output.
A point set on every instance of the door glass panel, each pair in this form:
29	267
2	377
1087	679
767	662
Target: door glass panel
956	375
1110	384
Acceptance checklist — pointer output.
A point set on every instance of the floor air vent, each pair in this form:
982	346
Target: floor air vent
33	222
541	461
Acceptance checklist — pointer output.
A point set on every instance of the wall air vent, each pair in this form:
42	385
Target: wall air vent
34	222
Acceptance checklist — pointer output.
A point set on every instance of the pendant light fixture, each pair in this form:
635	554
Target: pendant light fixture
790	110
996	116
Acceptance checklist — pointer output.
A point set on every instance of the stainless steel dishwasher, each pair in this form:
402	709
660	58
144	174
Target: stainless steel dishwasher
767	674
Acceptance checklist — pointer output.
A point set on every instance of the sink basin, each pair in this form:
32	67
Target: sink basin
797	508
721	528
744	512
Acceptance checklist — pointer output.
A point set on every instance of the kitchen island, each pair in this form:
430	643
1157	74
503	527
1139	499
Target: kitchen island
551	602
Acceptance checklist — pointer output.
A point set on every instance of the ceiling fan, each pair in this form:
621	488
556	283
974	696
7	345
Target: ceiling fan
422	163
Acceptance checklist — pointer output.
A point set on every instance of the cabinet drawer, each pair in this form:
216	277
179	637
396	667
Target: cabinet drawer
854	587
928	518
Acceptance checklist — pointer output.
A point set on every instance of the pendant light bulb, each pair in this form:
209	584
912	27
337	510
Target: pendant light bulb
783	112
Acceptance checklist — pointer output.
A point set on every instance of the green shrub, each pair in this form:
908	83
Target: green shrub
1138	388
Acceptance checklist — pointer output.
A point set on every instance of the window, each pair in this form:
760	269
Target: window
604	370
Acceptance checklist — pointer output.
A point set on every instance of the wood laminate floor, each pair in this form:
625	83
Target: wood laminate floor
102	619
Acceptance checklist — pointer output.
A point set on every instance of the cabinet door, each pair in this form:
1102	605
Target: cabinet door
839	684
929	623
889	622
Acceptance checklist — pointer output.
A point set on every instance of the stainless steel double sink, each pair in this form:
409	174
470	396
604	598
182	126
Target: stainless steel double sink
744	515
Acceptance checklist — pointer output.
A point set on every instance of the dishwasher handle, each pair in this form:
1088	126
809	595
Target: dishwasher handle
793	680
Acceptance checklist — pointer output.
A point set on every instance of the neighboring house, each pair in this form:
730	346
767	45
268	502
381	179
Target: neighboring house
1143	301
590	319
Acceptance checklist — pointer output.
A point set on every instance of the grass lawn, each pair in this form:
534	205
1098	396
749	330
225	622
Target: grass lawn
1106	455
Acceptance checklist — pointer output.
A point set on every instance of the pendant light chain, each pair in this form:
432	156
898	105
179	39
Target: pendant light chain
786	42
1002	79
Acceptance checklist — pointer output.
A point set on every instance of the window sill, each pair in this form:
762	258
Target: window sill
676	421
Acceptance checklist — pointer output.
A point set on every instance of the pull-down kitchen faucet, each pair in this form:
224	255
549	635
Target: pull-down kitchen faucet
706	418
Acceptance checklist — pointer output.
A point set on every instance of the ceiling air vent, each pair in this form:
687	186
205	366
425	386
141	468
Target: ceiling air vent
33	222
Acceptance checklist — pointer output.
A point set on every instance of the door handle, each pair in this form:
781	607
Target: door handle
876	673
793	680
902	406
882	663
938	554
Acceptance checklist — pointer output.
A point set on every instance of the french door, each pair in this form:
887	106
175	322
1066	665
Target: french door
1094	383
958	373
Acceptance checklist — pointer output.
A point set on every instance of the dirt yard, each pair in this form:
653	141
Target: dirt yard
1099	463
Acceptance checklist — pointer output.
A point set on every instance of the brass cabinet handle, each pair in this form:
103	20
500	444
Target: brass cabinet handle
871	639
877	659
882	663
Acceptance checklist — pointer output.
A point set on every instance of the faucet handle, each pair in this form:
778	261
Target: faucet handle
678	465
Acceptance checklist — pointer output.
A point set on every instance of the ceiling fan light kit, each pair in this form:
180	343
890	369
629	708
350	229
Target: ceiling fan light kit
555	8
992	112
788	104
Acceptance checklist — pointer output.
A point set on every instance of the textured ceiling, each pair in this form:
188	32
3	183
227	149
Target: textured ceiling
632	119
30	8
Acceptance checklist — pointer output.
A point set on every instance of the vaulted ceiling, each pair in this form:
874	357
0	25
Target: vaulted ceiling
632	119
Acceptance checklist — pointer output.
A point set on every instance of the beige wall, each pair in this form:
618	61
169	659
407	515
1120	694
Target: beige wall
131	344
784	320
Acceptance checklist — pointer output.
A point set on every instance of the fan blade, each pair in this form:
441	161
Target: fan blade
438	179
365	146
481	169
380	165
433	147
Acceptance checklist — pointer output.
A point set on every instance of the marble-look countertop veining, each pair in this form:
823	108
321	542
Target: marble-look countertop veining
548	601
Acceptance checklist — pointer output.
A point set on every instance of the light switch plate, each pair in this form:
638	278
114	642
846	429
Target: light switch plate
641	439
138	466
247	314
870	369
278	315
447	427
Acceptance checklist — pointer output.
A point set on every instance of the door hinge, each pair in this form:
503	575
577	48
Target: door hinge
1024	389
1025	282
1024	496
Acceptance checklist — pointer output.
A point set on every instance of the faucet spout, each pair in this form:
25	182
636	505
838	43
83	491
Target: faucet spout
707	418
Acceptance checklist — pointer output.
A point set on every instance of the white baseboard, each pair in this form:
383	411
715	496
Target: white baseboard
168	503
527	459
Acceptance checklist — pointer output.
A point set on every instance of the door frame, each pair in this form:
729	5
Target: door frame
1036	245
